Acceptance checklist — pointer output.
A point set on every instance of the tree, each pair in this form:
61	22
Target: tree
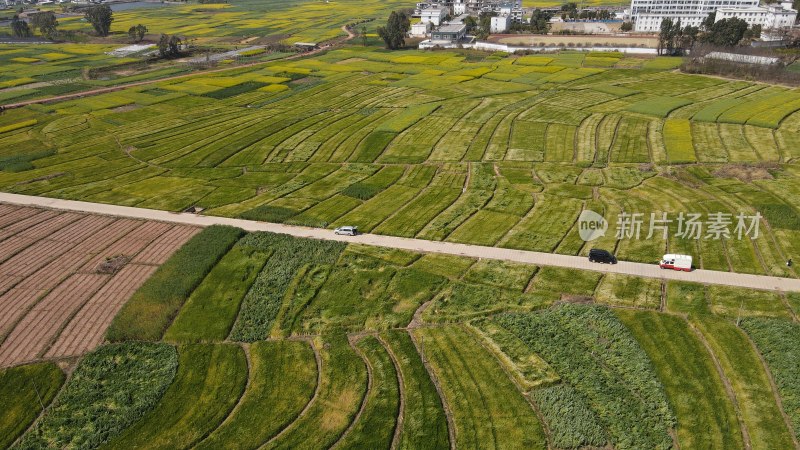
20	28
46	23
708	22
626	26
137	32
100	17
540	22
471	24
726	32
394	33
674	38
174	45
364	37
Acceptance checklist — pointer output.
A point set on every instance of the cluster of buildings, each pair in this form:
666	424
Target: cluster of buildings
647	15
433	15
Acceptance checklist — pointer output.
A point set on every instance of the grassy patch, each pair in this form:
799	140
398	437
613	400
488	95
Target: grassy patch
424	422
749	381
211	310
111	389
626	394
151	309
210	380
263	302
375	426
23	392
344	384
571	421
705	415
283	375
487	408
777	342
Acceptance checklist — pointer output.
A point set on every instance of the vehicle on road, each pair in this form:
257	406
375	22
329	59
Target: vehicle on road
347	230
601	256
676	262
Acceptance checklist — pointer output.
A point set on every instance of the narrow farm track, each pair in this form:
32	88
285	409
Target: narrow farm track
81	94
761	282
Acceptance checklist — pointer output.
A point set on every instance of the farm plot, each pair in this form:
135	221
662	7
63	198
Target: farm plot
282	380
69	274
627	396
705	414
488	411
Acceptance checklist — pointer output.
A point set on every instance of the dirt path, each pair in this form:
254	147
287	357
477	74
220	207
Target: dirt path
334	43
760	282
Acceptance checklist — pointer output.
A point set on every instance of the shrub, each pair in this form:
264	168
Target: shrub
267	213
152	308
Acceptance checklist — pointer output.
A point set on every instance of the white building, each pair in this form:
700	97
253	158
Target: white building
449	33
647	15
500	24
769	17
420	29
434	16
459	7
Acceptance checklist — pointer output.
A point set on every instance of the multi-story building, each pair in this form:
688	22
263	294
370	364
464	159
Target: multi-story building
647	15
433	16
769	17
500	24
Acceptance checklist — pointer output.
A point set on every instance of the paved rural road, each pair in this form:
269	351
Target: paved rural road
474	251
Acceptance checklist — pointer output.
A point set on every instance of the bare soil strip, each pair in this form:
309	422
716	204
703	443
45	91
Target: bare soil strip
53	300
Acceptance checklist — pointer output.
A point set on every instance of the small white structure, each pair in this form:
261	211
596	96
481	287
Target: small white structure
434	16
747	59
459	7
420	29
500	24
772	16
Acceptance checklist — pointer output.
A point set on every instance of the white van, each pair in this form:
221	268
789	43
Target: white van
347	230
676	262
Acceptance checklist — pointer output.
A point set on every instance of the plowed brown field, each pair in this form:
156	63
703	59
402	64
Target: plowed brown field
54	302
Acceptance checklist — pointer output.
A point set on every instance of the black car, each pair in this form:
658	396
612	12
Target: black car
601	256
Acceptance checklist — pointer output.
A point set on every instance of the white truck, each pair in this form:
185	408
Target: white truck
676	262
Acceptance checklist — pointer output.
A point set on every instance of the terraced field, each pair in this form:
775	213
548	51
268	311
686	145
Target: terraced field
455	146
379	348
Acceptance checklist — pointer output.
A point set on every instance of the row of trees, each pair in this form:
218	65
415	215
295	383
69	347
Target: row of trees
569	11
99	16
674	39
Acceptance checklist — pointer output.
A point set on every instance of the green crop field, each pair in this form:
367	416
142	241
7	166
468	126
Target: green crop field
379	348
444	145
